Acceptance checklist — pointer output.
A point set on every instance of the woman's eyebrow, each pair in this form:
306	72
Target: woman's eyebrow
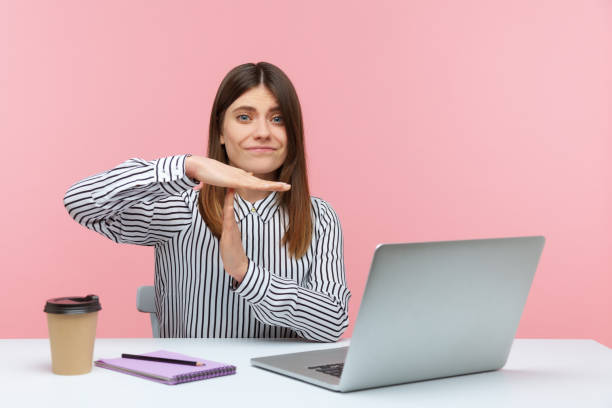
252	109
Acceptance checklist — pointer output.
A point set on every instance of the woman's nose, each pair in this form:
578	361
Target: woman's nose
263	129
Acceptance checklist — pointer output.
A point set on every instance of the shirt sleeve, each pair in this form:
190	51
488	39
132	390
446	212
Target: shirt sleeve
318	310
137	202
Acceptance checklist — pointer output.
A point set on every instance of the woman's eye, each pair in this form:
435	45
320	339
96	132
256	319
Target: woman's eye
246	117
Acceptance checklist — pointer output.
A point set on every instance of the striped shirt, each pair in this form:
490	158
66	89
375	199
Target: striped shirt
153	203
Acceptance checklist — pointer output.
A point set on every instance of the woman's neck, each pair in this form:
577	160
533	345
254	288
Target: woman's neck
252	195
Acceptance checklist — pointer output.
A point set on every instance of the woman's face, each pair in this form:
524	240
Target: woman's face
254	121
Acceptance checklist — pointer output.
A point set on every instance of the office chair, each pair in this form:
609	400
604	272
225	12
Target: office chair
145	302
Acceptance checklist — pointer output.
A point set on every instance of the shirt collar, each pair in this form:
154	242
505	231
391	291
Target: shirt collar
264	208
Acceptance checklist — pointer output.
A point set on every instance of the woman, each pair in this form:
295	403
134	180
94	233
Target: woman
247	254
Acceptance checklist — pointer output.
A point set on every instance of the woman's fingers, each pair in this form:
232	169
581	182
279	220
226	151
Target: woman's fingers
260	184
213	172
228	207
255	183
270	186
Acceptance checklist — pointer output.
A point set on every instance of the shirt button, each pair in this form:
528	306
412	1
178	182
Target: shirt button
253	209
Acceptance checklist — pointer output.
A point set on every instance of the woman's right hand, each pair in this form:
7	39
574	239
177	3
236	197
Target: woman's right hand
213	172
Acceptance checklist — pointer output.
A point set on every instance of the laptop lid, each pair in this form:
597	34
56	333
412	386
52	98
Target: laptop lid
437	309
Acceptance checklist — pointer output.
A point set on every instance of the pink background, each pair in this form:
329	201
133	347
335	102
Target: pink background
424	121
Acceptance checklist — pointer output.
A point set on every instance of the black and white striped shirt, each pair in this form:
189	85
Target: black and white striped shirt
153	203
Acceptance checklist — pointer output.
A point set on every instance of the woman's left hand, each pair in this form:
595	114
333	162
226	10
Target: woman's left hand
234	258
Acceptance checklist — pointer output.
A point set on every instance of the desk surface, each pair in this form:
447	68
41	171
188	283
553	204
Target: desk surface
539	372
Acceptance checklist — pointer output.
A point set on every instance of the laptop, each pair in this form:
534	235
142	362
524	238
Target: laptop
429	310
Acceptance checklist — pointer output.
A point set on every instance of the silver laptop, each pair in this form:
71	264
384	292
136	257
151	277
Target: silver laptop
429	310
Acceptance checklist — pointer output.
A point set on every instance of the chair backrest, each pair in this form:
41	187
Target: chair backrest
145	302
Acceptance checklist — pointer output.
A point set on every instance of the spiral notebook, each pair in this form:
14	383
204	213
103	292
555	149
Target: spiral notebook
167	373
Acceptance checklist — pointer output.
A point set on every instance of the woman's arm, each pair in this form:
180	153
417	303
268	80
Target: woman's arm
137	202
319	309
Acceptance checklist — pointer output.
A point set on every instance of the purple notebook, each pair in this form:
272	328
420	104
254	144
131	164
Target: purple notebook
167	373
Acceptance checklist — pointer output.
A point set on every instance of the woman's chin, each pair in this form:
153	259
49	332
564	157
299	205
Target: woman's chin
266	172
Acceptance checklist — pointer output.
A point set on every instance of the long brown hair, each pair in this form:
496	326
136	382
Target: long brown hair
293	171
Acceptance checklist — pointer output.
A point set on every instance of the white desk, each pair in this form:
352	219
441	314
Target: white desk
539	373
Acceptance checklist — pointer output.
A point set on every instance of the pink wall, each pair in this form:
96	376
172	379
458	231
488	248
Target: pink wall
424	121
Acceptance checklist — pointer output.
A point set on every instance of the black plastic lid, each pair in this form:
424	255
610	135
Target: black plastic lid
73	305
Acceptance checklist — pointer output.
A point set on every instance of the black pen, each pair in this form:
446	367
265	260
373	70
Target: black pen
163	360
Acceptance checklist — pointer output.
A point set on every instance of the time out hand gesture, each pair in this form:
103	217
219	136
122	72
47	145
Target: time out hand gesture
210	171
234	258
213	172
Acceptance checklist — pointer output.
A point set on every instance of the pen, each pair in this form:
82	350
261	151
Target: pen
162	360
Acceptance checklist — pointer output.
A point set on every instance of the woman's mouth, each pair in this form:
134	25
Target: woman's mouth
261	149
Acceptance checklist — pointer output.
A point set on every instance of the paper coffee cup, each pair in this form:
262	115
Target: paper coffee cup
72	325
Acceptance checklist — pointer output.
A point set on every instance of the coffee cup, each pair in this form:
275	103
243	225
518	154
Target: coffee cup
72	325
